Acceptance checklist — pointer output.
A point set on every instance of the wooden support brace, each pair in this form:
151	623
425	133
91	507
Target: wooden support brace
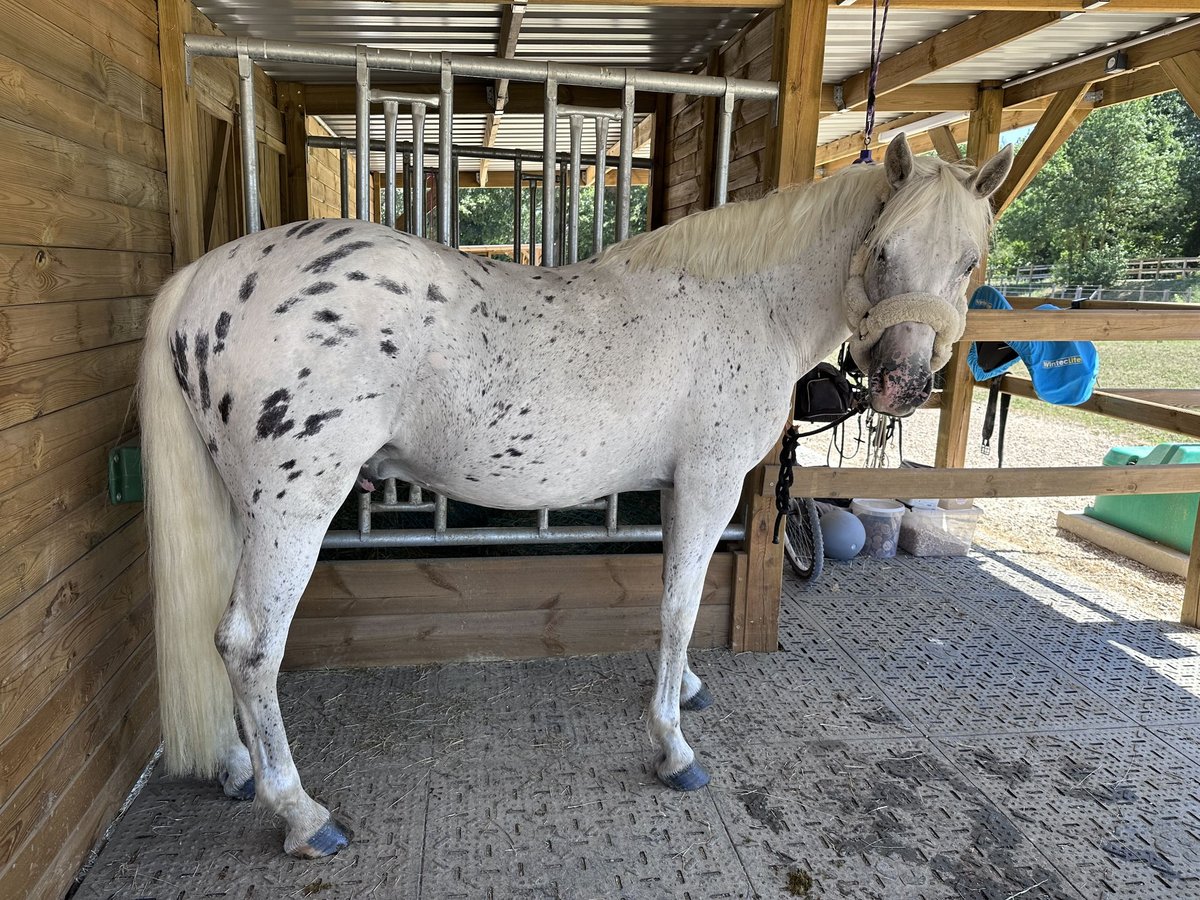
223	137
945	143
180	134
1184	72
1190	613
1057	123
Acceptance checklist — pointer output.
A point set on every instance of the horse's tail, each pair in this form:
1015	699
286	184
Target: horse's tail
193	554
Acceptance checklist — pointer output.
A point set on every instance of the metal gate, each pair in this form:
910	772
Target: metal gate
559	177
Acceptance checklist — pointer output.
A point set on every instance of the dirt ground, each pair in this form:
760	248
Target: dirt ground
1024	529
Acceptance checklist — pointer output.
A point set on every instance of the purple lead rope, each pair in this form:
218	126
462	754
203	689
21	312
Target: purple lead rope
876	58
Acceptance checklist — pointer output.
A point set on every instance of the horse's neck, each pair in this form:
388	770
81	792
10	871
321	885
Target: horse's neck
805	297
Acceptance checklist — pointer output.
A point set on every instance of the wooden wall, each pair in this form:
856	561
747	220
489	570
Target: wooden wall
85	240
390	612
325	178
692	124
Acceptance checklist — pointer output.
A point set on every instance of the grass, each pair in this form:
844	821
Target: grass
1129	364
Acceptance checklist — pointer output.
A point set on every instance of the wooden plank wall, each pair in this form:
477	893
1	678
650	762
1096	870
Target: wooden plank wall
391	612
324	177
693	121
84	243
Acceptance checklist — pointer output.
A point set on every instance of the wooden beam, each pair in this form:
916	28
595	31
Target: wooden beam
1082	325
1178	397
1116	406
800	56
1056	481
961	42
954	419
924	97
945	143
1139	56
511	17
851	144
1133	86
295	132
659	153
1184	73
1057	123
179	133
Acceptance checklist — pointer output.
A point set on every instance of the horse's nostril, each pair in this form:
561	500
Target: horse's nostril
928	388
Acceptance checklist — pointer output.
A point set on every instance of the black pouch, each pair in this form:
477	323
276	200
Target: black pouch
823	395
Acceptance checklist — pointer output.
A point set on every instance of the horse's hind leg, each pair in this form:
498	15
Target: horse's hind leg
693	695
275	566
701	508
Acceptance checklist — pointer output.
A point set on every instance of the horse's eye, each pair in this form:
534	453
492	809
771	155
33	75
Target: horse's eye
882	255
971	267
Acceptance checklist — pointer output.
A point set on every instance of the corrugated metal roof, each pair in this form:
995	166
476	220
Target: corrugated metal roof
1061	41
848	36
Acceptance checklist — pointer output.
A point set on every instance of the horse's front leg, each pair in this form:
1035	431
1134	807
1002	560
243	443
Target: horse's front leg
695	517
693	695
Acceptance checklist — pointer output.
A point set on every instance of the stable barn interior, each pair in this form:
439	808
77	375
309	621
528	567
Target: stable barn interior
123	159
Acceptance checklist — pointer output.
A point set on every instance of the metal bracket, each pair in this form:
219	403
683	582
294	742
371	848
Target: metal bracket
839	97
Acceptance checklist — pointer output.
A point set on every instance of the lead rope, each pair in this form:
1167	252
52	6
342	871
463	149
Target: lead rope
876	58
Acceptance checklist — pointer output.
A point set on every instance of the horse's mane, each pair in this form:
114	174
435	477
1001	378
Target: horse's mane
755	235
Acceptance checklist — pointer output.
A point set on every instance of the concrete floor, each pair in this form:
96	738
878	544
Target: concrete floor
931	729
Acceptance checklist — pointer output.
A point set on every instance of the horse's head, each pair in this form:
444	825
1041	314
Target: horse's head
915	266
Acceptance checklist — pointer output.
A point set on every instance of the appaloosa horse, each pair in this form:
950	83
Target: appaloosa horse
281	363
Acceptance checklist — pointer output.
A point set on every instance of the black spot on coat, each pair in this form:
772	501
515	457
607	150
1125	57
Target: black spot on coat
322	264
394	287
326	315
435	295
273	422
314	423
224	406
248	287
387	348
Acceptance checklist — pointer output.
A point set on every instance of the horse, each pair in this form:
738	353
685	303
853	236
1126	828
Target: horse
286	365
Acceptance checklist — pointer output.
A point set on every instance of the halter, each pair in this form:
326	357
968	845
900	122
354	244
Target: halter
868	323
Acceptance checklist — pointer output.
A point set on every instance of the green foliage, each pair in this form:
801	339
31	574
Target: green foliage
1125	185
486	215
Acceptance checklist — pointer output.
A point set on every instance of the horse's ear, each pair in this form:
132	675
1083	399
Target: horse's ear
992	173
898	160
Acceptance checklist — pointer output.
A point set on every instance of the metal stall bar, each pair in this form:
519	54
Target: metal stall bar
249	143
573	188
362	132
476	537
344	170
465	65
598	193
390	111
517	209
533	231
473	151
414	211
625	165
724	131
445	139
549	156
454	186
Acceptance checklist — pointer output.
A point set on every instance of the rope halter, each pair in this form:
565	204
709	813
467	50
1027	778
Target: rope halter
868	322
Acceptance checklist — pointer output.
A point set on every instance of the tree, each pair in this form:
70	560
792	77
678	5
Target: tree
1112	191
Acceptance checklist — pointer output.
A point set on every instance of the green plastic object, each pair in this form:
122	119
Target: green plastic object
125	474
1169	519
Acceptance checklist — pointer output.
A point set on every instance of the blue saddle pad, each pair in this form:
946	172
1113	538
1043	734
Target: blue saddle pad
1063	372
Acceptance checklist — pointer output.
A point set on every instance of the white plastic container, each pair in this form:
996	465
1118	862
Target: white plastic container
938	532
881	519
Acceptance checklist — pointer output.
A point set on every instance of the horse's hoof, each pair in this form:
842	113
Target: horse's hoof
328	840
690	778
702	699
243	791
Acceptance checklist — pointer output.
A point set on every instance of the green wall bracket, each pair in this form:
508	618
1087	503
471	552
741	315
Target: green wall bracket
125	474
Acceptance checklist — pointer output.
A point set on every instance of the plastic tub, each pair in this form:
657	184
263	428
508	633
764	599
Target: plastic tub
938	532
881	520
1166	518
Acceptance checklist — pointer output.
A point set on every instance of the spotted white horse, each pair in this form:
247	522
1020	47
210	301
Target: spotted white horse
281	364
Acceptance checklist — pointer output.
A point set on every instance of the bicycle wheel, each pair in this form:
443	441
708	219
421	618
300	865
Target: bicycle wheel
802	543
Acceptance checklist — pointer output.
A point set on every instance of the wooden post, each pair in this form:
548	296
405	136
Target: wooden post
295	132
376	187
954	420
799	57
184	172
1190	613
659	146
